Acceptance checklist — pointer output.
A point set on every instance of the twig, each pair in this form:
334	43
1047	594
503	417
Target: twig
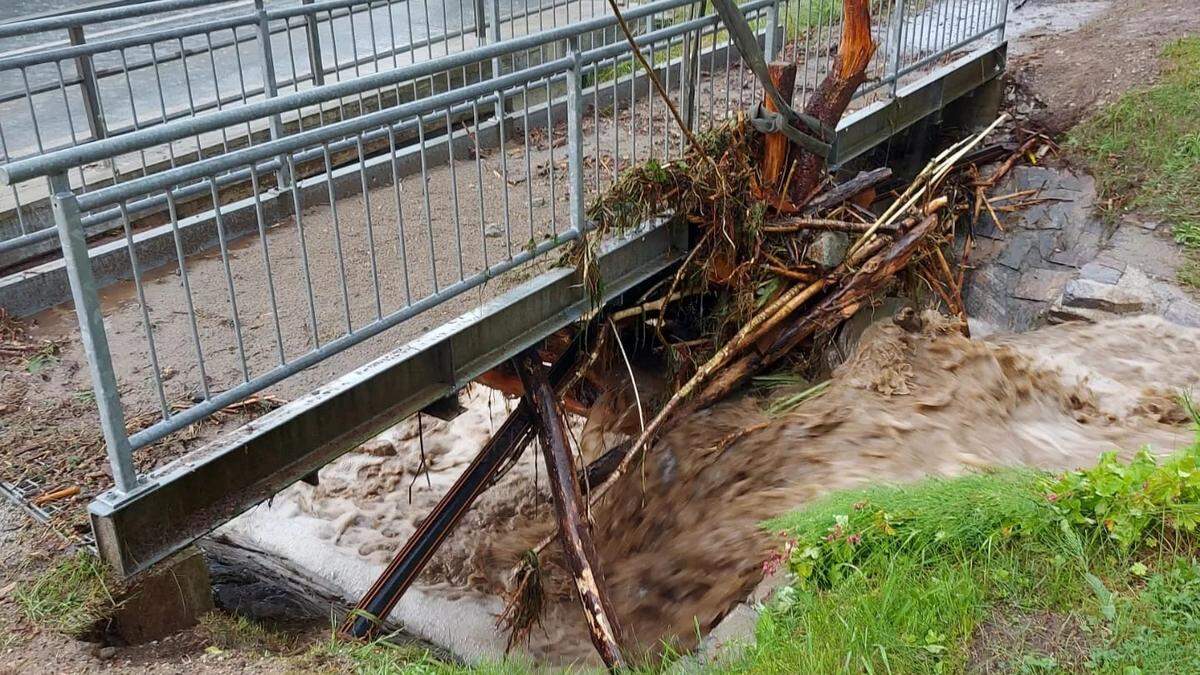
47	497
662	93
637	397
790	274
931	175
799	224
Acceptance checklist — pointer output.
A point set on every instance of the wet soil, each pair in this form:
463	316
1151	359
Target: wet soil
1071	74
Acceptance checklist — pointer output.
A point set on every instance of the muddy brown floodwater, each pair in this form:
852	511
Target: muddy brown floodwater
681	541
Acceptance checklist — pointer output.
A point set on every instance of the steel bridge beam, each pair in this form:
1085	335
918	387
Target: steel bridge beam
194	494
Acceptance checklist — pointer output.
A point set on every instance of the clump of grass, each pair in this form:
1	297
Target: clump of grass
1189	273
229	631
386	656
1155	628
1145	149
375	657
72	597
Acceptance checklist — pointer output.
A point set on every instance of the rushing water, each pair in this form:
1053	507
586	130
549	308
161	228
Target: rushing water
680	540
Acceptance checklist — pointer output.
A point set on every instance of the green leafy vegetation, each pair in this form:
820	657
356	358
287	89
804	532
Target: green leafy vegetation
1145	149
911	579
71	597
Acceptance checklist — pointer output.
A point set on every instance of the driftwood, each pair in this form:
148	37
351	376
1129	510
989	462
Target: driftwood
574	531
787	225
837	307
841	192
826	104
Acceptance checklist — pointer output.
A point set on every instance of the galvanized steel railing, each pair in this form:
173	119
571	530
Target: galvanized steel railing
76	77
490	195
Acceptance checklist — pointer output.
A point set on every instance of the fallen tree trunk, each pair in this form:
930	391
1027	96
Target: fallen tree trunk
574	531
833	95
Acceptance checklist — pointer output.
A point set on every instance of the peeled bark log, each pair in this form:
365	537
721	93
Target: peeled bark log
833	95
573	529
848	189
776	145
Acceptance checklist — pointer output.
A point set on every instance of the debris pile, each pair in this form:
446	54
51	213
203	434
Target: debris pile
781	257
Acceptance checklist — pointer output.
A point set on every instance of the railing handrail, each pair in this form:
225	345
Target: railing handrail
269	150
69	158
75	19
95	5
94	47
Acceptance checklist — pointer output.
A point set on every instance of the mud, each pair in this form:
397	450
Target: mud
680	539
1073	73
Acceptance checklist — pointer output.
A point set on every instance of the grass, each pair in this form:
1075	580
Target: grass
72	597
905	579
384	657
1145	149
230	631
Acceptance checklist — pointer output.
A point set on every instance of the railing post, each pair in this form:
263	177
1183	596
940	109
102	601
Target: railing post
88	86
481	20
897	43
771	48
493	36
575	134
688	67
315	62
91	331
1003	21
270	87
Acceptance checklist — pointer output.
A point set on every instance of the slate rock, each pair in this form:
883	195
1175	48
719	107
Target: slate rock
1184	313
1042	285
828	249
1122	298
1100	273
